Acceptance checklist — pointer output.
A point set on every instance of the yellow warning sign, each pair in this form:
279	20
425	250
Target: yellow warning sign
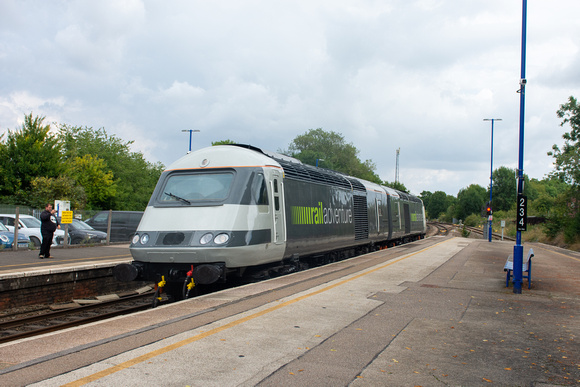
67	217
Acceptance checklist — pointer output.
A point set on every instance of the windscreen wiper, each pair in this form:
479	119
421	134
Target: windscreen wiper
177	197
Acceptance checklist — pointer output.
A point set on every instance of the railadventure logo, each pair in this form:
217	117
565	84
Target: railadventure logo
321	215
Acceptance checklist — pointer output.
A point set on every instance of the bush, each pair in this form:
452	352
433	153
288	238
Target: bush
473	220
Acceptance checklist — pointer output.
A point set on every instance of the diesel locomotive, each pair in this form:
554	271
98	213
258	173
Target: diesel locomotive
236	210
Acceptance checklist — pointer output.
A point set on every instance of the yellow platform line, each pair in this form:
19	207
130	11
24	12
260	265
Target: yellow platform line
562	254
161	351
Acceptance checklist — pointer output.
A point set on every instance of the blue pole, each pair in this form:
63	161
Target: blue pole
490	182
491	175
190	135
518	248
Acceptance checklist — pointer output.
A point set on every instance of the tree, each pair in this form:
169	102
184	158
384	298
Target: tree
470	200
567	159
425	196
504	189
134	177
547	190
30	152
329	150
438	204
565	215
91	173
88	167
46	189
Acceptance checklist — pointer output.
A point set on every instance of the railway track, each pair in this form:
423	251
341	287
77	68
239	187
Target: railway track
443	229
440	229
494	236
24	327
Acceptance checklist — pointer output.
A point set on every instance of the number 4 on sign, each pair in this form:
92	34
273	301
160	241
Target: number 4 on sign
522	213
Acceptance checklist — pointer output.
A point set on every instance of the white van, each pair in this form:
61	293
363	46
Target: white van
30	226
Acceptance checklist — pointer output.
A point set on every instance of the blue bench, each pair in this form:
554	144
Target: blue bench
526	268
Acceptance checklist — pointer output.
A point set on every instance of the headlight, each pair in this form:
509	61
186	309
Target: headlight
4	238
206	238
144	239
135	239
221	239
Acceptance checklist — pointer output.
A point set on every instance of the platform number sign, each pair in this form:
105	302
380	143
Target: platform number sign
522	215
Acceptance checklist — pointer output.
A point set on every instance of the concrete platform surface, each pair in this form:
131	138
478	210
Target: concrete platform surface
14	264
434	312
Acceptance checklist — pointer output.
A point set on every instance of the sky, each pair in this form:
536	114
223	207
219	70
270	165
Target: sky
416	75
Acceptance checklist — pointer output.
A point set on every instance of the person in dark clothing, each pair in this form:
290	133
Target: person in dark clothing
48	226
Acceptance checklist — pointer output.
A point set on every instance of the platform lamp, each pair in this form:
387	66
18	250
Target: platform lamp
521	199
489	218
190	135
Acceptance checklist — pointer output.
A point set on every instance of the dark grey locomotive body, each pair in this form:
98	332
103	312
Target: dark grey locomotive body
328	211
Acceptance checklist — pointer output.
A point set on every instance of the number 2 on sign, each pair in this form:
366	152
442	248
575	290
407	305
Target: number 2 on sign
522	216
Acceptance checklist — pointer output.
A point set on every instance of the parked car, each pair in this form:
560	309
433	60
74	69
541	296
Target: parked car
80	232
123	224
7	238
29	226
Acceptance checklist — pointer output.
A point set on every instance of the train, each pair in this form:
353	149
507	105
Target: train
237	211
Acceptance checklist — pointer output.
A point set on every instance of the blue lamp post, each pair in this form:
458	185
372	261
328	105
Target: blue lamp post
190	135
518	248
491	175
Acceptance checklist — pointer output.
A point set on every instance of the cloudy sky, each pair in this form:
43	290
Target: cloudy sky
419	75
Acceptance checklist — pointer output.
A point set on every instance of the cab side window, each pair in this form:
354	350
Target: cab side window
276	197
259	190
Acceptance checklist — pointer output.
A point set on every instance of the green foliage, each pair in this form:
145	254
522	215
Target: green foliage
567	158
547	190
425	196
564	216
504	189
27	153
470	200
133	178
444	217
329	150
438	203
472	220
465	232
88	167
223	142
46	189
396	185
90	172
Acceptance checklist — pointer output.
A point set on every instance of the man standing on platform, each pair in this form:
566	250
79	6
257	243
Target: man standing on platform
48	226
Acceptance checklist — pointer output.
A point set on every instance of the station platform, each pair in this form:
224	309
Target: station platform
432	312
76	272
26	262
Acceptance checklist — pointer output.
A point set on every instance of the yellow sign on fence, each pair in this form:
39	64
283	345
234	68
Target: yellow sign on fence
67	217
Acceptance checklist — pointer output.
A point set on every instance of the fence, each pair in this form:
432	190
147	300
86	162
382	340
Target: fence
24	210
